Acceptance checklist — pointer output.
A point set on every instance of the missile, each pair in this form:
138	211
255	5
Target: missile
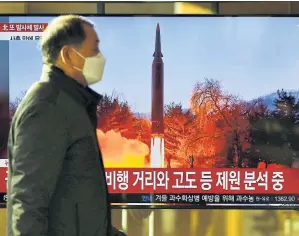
157	88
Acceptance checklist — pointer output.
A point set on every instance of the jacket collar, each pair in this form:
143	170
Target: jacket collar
84	95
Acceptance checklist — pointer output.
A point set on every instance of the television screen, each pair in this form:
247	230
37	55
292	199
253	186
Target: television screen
196	111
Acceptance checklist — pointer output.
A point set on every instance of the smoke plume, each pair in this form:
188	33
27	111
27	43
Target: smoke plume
118	151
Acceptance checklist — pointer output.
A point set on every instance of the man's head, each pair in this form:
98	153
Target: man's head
71	43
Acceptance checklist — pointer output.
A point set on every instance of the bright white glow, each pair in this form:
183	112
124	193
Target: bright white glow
151	223
124	220
157	152
162	153
157	161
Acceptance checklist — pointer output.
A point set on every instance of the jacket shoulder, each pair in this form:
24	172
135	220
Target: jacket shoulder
38	97
41	92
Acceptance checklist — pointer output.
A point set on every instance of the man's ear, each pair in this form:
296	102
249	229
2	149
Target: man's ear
65	55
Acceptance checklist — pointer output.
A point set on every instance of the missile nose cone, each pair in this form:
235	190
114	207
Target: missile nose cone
157	52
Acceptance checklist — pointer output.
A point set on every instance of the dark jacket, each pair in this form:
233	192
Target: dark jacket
56	178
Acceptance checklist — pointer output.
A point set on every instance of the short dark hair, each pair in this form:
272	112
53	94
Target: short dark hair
62	31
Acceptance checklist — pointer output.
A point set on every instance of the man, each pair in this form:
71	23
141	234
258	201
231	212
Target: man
56	178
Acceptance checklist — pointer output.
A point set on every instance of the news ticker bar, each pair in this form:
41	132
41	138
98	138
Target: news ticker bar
197	199
21	31
20	36
22	27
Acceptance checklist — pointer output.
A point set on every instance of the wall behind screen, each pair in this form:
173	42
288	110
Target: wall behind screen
282	7
228	227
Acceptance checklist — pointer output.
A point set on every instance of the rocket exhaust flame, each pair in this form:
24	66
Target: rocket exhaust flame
157	152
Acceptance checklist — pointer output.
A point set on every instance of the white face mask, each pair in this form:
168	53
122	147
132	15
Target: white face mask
93	68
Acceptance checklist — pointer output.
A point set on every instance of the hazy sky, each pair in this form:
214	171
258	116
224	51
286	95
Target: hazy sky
251	56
